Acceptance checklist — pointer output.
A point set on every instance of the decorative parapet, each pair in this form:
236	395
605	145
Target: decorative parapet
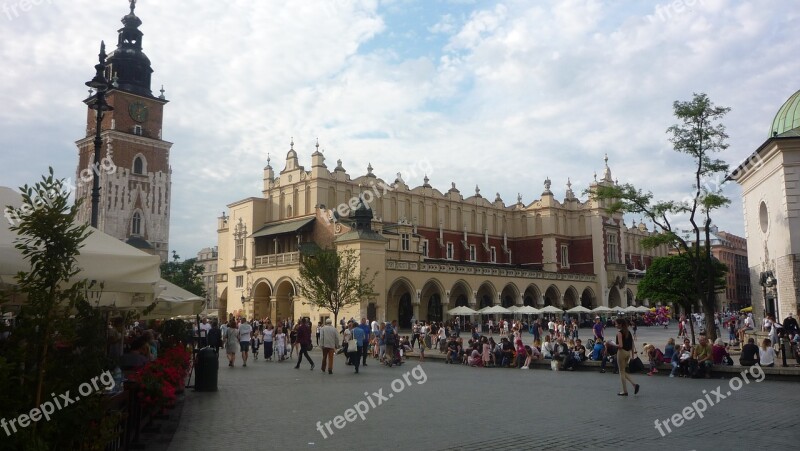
455	268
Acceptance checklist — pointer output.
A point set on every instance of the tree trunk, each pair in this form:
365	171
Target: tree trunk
691	324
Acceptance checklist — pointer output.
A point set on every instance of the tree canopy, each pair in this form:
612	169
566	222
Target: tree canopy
698	135
186	274
331	280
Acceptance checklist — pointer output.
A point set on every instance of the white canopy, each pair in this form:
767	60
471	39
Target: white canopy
579	309
463	310
631	309
618	309
494	310
550	309
601	309
175	301
642	309
528	310
126	273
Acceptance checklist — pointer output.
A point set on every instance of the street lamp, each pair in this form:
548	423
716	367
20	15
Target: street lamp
100	84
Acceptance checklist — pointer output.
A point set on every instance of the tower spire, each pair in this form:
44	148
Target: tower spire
133	5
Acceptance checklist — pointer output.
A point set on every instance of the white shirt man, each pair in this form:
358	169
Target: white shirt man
376	328
244	332
204	328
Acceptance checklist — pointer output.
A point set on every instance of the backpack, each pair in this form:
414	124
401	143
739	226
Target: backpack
390	338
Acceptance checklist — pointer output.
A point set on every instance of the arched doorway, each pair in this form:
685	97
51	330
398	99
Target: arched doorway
459	295
552	296
570	298
405	311
261	300
435	308
587	298
372	313
284	305
486	295
613	297
629	297
509	295
532	296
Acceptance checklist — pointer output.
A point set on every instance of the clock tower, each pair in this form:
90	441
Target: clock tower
135	175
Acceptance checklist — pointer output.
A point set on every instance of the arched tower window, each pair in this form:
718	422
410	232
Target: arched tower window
136	224
139	166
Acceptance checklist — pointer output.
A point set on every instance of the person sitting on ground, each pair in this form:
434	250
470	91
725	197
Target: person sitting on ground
560	350
701	358
685	358
580	350
655	356
719	352
475	358
598	351
609	356
507	353
749	324
547	347
521	354
766	356
749	355
452	351
669	350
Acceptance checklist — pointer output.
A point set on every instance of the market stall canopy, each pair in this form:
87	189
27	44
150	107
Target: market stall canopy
103	259
579	309
461	311
642	309
601	309
494	310
174	301
631	309
618	309
550	309
528	310
514	308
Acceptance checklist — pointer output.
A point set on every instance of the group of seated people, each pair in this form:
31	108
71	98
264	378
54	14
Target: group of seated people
485	352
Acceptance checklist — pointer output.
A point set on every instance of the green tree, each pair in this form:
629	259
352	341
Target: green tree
331	280
58	341
186	274
698	135
670	280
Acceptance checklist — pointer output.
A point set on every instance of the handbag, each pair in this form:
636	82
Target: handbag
635	365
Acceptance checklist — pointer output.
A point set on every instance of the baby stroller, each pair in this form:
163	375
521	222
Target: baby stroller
394	359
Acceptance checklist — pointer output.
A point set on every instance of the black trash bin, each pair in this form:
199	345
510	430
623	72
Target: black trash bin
206	370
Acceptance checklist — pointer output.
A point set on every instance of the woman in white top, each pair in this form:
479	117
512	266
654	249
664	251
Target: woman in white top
269	332
547	347
442	337
766	355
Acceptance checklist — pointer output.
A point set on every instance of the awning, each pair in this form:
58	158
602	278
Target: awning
284	227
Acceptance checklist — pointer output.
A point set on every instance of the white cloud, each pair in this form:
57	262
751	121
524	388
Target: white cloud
519	91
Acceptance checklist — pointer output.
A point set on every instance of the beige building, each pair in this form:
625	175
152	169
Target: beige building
433	250
770	180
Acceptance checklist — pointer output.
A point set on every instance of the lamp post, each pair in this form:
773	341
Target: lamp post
100	84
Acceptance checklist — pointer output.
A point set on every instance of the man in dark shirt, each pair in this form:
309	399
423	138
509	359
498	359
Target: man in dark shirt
304	339
790	325
452	351
749	355
508	352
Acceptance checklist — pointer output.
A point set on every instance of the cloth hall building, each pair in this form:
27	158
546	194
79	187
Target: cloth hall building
433	250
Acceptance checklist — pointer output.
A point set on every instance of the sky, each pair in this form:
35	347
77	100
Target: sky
499	94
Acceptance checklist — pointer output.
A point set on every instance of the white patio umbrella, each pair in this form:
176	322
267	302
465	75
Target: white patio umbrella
579	309
463	310
601	309
495	310
528	310
618	309
514	308
550	309
175	301
630	309
642	309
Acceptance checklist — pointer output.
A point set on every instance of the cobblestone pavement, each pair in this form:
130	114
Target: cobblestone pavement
271	405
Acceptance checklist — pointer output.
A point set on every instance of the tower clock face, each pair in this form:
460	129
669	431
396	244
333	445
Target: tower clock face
138	111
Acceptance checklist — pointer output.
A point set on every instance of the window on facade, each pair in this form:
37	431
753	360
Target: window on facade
472	253
137	130
493	256
424	248
449	251
612	248
564	256
136	224
138	165
239	281
405	242
239	251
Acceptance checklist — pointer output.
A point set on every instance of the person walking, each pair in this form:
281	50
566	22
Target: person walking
329	340
360	341
365	346
215	337
624	353
245	329
268	335
304	342
231	341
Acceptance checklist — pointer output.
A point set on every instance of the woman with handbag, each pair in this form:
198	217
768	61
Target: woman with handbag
624	353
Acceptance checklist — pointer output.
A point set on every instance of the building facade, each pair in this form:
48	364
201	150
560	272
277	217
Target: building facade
770	180
207	258
437	250
135	175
